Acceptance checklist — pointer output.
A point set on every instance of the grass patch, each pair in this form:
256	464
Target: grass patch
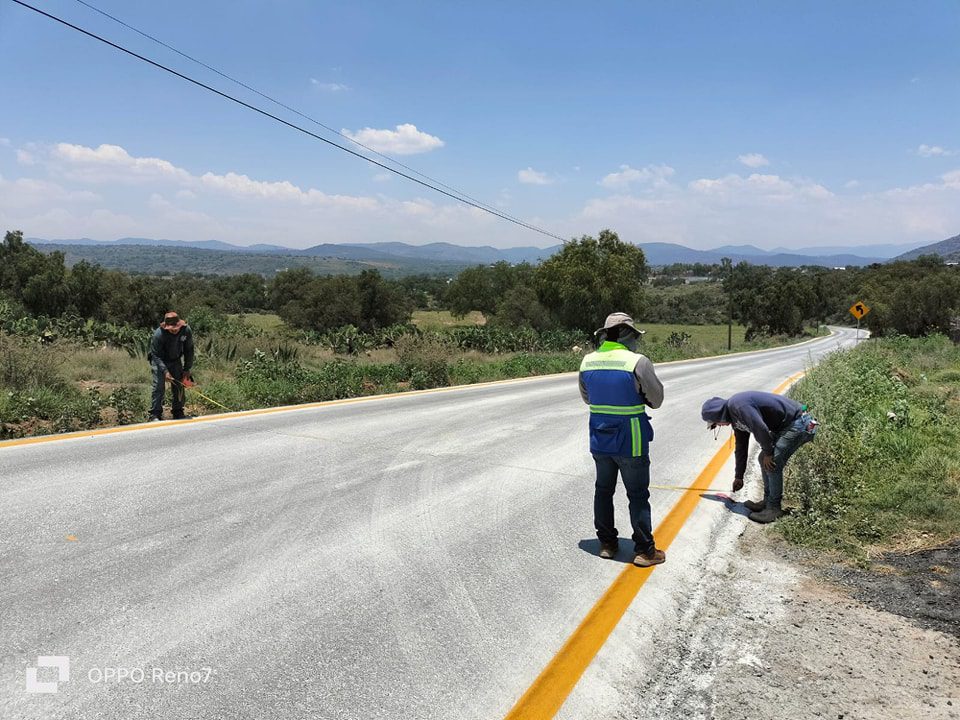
665	342
444	319
884	470
265	322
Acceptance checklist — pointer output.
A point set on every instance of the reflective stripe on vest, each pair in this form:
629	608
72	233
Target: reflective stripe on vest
617	359
608	375
618	409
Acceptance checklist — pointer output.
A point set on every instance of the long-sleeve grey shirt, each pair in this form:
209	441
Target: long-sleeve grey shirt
647	383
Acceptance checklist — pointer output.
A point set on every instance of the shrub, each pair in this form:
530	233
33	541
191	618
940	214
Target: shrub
28	365
886	460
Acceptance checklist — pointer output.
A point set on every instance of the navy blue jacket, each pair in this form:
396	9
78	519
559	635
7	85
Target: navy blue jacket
761	413
169	348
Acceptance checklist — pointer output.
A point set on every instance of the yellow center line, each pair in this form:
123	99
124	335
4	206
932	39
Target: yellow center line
556	681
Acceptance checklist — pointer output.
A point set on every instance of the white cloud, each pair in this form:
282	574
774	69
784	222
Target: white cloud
382	177
658	174
328	86
933	151
5	142
25	157
770	187
534	177
108	163
152	197
405	140
770	210
753	160
851	184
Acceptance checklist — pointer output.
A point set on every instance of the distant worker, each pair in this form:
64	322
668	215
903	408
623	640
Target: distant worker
779	424
618	383
171	357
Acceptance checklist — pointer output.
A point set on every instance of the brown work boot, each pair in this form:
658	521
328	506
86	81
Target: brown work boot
608	551
651	557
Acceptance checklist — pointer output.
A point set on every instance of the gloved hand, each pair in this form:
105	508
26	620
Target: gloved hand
737	484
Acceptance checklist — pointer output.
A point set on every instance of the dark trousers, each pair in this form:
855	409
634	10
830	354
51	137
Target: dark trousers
635	472
159	389
786	443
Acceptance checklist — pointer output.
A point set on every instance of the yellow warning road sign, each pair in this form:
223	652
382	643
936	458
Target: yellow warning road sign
858	310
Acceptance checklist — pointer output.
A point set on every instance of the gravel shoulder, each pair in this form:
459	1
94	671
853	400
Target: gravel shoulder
772	634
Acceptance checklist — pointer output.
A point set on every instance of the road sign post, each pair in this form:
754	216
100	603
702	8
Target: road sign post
858	310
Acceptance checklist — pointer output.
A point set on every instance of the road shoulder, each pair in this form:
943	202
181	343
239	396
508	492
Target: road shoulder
769	637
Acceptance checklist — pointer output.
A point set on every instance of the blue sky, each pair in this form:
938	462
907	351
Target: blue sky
704	123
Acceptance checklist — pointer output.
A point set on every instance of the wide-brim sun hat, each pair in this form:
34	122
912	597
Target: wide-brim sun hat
617	319
172	321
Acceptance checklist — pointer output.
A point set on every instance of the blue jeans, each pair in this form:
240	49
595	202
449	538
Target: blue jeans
635	472
785	445
160	389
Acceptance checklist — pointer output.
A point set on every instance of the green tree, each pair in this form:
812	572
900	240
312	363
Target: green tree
86	289
590	278
37	280
520	307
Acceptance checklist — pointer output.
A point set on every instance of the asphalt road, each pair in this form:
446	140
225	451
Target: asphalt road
420	556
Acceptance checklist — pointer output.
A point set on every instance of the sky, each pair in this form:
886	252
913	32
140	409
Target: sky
777	124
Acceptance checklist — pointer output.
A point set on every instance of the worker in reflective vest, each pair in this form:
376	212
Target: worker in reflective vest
618	384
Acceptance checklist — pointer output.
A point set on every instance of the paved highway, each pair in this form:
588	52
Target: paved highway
419	556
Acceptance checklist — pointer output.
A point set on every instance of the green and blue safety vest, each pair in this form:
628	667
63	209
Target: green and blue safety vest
618	421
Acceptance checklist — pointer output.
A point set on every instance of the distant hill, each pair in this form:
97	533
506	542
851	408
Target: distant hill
887	250
392	258
169	260
483	254
667	253
948	249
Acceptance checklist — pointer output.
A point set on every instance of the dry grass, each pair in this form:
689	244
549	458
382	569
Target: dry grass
104	365
444	320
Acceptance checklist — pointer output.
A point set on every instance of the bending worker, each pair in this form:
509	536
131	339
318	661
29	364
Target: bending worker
171	357
779	424
618	383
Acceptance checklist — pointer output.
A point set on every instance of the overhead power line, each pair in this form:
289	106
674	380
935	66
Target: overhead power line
459	198
283	105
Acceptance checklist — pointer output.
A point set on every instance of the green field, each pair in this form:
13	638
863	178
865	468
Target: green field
444	319
266	322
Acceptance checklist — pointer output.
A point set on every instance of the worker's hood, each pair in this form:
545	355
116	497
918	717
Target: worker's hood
714	410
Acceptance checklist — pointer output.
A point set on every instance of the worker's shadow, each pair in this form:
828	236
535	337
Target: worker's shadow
624	554
732	505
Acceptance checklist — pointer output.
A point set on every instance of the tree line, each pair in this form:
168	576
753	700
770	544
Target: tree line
574	289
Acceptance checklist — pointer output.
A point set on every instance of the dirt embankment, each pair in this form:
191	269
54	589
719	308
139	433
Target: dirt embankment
775	634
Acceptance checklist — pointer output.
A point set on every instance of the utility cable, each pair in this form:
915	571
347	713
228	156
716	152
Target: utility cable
289	124
279	103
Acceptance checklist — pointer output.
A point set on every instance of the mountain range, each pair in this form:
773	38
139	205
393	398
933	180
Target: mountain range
404	256
948	249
